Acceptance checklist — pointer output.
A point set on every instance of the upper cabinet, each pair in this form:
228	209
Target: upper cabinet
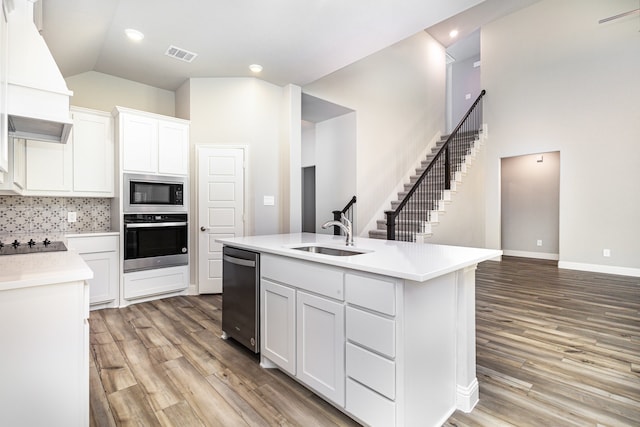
4	71
83	167
93	152
153	144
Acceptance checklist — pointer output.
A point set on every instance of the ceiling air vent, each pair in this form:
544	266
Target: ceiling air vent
181	54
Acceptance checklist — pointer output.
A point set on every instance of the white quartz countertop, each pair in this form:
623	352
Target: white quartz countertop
412	261
28	270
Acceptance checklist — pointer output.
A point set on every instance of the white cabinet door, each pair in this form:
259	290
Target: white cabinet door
278	325
173	148
4	71
19	163
92	153
139	143
320	345
49	166
101	255
104	285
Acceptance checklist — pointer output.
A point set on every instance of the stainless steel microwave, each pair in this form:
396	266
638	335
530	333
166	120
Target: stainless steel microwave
155	194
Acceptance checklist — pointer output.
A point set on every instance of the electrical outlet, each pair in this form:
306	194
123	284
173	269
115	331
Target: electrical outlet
606	252
539	242
72	217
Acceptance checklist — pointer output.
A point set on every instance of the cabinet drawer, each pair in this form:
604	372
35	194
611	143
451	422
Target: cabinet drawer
140	284
369	406
92	244
371	331
372	370
309	276
374	294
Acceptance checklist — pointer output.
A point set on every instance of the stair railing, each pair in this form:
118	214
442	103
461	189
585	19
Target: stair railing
348	212
412	213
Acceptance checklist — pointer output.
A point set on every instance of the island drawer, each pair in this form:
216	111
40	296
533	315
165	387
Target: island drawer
370	407
372	370
371	293
369	330
312	277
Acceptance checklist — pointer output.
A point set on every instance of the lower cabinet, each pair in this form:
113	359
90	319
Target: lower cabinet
45	355
303	333
151	283
320	345
101	255
278	325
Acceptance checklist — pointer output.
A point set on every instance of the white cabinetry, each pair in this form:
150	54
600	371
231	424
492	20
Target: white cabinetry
101	255
278	331
320	345
150	283
4	71
93	153
49	167
153	144
302	331
83	167
13	181
45	355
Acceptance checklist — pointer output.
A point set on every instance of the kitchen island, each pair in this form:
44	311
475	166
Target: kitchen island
44	331
387	334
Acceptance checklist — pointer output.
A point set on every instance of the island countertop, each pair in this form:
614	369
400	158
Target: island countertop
28	270
406	260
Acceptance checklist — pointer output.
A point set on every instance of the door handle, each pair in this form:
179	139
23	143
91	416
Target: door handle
203	228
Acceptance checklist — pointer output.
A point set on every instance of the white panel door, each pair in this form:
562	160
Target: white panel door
220	210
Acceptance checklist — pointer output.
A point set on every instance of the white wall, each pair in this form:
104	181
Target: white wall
244	112
103	92
308	150
465	81
399	97
557	80
335	155
463	222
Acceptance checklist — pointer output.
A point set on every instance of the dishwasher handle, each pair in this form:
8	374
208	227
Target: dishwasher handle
239	261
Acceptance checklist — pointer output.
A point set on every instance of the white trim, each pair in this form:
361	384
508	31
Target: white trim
598	268
526	254
467	397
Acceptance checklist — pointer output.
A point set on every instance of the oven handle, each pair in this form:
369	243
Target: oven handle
155	224
239	261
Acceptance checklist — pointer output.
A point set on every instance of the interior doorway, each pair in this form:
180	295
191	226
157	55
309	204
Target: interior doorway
530	205
220	209
309	199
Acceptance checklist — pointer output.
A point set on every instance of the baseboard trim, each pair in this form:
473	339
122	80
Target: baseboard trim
467	397
599	268
537	255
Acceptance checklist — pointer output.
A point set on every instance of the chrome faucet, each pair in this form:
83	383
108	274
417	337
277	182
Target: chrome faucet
345	225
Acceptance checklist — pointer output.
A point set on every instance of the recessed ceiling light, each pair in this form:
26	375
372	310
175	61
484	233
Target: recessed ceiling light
134	35
453	33
256	68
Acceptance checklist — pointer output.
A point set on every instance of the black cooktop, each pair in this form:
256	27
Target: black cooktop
31	247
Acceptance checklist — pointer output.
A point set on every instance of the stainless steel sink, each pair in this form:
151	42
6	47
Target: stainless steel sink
326	250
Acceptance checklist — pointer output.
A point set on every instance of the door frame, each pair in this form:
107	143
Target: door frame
195	226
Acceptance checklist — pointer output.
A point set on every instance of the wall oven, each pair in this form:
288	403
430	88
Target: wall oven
155	194
155	241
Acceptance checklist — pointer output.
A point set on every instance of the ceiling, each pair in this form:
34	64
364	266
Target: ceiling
295	41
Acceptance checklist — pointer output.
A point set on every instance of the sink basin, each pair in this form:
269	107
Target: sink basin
326	250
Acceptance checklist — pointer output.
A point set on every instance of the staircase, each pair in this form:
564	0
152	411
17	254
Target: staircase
418	207
427	209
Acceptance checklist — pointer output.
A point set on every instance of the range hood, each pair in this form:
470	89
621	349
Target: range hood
37	95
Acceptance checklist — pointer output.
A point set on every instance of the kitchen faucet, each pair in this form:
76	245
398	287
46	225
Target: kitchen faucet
345	225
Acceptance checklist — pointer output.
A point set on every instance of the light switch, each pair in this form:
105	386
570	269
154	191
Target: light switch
269	200
72	217
467	96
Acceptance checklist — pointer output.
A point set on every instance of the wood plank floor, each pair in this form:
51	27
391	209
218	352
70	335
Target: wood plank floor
554	348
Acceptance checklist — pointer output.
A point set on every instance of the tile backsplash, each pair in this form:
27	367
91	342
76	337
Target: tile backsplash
23	218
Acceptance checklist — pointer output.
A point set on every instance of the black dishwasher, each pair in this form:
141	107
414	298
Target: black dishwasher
241	297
